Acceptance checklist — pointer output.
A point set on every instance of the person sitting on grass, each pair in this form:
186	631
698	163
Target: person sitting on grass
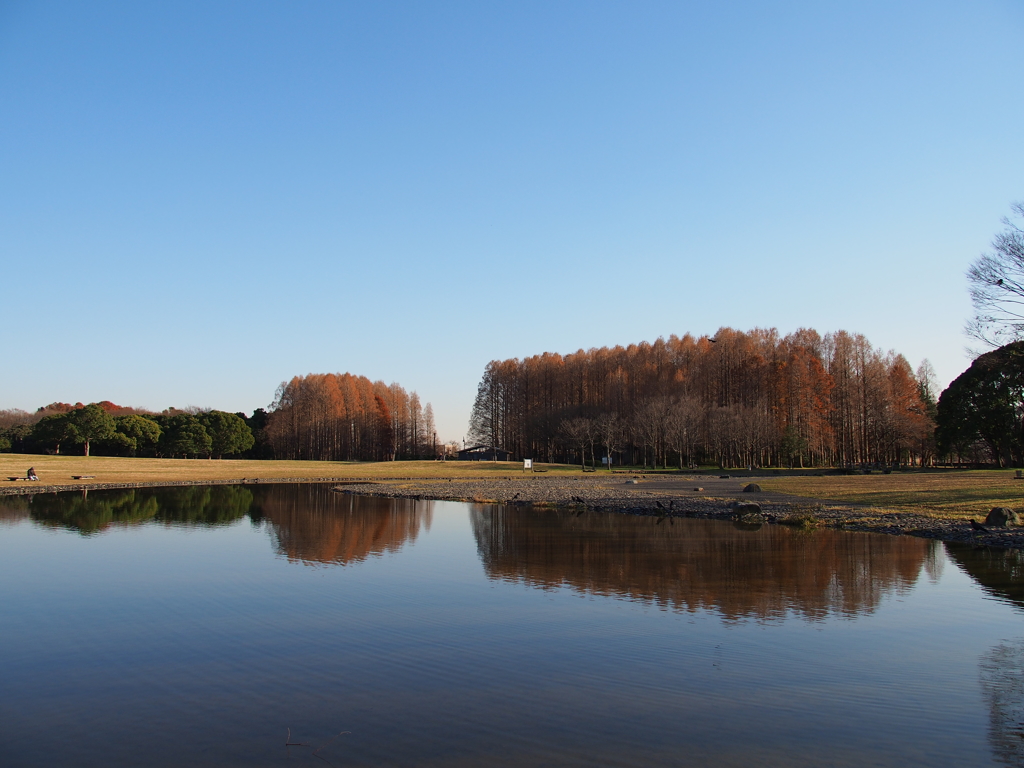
31	474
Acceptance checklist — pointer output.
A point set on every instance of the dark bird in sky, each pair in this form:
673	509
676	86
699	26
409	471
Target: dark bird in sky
978	527
999	281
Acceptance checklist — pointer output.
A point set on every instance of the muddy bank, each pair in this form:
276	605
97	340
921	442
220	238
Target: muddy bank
702	496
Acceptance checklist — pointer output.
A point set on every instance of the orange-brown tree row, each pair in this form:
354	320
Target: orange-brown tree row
736	399
341	417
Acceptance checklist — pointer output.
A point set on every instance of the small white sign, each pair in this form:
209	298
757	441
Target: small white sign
527	464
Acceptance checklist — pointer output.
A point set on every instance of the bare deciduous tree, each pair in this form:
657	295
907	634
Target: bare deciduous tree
580	433
609	431
996	283
683	427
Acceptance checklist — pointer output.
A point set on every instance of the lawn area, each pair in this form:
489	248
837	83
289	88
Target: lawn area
58	470
952	494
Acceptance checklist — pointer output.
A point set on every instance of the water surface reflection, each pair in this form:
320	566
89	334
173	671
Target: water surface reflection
1001	672
1000	572
699	564
312	524
90	513
13	509
183	635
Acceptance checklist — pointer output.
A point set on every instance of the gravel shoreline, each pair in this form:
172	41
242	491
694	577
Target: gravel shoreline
696	496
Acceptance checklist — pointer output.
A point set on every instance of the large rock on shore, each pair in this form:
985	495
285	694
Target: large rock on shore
745	508
752	488
748	514
1001	517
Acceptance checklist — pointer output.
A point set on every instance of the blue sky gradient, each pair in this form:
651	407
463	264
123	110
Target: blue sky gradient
200	200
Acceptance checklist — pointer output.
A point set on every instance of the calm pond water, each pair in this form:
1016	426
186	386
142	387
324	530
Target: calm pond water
210	626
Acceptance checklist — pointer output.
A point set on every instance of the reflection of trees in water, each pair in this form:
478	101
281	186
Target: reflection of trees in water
1000	572
89	513
206	504
934	565
312	524
1002	684
309	522
13	509
698	564
93	512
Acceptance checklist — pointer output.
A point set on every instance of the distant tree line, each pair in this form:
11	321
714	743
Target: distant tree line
342	417
320	416
736	399
111	430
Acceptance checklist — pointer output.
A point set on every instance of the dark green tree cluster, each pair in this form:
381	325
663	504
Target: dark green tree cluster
91	429
981	414
16	439
257	423
213	433
83	426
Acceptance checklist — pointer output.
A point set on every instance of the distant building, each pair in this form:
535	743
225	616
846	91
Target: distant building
484	453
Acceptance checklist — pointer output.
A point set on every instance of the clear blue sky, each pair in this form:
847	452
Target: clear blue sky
200	200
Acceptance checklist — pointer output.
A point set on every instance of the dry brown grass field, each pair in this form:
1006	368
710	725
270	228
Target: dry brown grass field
955	494
58	470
